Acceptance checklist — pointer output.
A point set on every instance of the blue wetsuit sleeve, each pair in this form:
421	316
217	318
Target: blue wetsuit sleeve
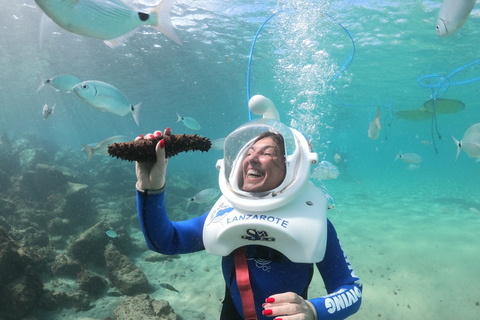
163	235
343	286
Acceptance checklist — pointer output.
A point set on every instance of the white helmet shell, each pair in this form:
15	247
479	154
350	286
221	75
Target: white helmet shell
291	218
298	157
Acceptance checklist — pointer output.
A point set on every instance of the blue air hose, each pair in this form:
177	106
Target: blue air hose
342	69
250	61
445	82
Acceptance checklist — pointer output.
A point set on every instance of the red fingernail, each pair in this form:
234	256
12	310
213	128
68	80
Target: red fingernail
270	300
168	129
158	133
278	319
267	312
162	143
151	136
141	136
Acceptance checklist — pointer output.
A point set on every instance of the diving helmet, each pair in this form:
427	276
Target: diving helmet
298	159
291	218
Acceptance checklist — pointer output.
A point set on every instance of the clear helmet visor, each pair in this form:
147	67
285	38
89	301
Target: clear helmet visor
240	141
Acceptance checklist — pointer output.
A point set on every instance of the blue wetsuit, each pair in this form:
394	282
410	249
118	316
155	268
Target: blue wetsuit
270	271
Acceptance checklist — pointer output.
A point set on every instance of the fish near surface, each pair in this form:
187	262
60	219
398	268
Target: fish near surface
375	127
409	158
470	142
452	16
110	21
105	97
62	82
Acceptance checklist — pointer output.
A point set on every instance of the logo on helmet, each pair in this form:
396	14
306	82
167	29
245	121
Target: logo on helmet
254	235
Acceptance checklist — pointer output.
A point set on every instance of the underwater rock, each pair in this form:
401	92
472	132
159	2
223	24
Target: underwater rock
3	223
124	274
90	246
29	158
145	308
48	255
20	285
116	176
144	150
123	242
49	179
92	283
111	215
7	208
5	181
57	300
66	266
58	227
19	298
13	258
9	161
36	239
78	206
21	144
26	184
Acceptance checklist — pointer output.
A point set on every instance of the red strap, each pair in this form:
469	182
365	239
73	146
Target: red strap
243	283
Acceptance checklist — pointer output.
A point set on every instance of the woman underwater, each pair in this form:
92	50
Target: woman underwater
269	226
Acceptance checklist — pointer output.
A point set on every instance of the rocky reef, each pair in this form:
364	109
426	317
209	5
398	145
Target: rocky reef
54	214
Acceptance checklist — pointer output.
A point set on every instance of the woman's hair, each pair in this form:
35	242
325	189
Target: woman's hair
278	138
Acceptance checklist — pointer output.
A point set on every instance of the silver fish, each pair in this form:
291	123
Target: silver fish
218	144
111	21
105	97
63	82
203	196
47	111
102	147
470	142
189	122
409	157
375	127
453	14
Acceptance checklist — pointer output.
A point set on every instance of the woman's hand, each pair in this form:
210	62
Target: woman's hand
151	175
289	306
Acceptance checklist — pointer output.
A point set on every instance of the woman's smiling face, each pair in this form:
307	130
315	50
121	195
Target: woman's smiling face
263	167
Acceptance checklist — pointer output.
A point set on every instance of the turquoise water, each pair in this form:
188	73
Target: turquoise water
419	226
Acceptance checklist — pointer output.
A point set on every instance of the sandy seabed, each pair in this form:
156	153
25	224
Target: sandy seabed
415	249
